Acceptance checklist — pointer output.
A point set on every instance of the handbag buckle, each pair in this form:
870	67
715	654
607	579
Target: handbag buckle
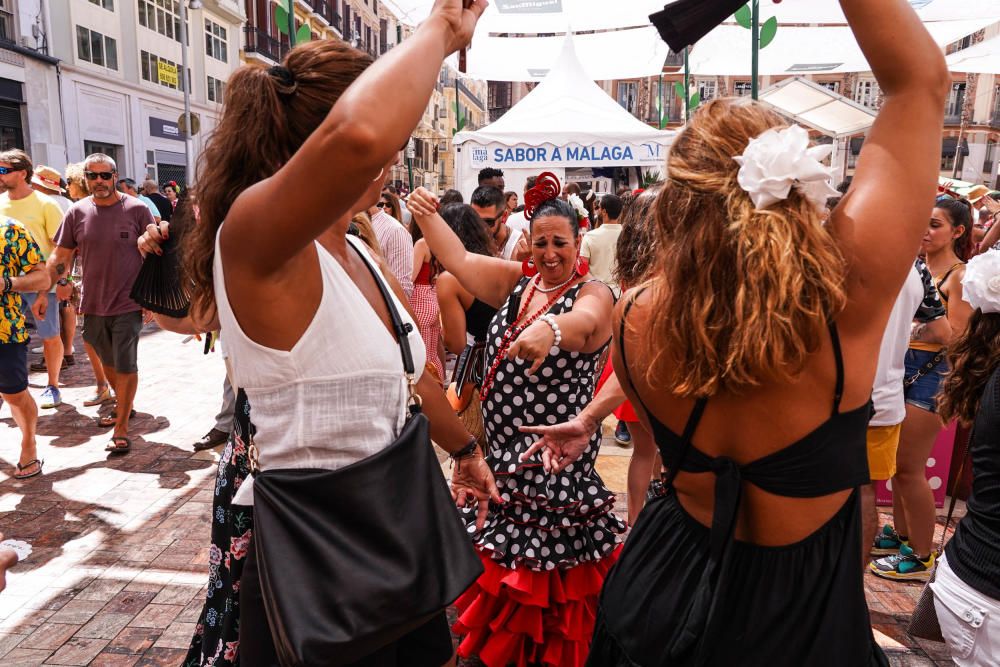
411	388
252	456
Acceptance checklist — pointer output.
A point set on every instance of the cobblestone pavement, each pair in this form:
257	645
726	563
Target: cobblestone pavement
120	543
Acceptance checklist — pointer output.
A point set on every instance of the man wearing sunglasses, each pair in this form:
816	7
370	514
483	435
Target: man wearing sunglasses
106	227
41	216
491	206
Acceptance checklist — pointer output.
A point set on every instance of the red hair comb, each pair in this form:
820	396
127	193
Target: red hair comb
547	188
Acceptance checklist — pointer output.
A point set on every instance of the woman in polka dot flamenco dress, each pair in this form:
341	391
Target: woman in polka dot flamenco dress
548	547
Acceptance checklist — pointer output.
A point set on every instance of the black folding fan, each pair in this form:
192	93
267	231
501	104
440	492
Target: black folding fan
684	22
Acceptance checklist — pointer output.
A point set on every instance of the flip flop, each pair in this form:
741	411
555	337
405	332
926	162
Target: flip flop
108	421
20	468
117	448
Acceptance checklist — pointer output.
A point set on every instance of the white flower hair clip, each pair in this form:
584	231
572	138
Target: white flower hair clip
779	160
981	284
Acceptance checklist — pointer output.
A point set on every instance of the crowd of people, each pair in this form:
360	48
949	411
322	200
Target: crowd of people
770	346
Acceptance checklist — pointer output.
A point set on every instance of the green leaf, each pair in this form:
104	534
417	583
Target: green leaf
303	34
768	31
695	101
744	16
679	89
281	19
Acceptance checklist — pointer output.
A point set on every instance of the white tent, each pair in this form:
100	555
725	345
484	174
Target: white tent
983	58
566	122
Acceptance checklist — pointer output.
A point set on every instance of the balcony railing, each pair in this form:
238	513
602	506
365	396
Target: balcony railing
324	8
497	112
995	120
953	119
259	42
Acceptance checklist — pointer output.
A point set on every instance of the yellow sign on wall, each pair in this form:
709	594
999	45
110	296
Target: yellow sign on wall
167	73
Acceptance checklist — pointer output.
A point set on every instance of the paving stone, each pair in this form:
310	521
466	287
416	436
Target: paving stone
162	657
156	616
26	657
129	602
102	589
108	659
177	635
50	636
134	640
9	641
106	625
77	651
176	594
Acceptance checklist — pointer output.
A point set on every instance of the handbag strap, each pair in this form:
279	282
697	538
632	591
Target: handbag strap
954	487
402	330
926	368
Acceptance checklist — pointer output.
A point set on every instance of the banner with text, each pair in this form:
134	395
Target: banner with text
548	155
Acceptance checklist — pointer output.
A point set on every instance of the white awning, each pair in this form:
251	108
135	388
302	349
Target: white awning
983	58
803	50
814	106
622	54
541	16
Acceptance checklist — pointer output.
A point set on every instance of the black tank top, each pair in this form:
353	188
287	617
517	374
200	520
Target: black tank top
478	318
729	602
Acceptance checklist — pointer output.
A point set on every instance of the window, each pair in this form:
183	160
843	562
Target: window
215	41
7	22
956	100
742	88
107	4
150	65
867	93
163	16
832	86
991	153
216	90
628	95
708	89
95	48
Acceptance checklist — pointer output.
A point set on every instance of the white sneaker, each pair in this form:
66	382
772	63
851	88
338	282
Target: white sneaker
38	350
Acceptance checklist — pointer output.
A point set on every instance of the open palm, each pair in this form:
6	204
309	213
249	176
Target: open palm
562	444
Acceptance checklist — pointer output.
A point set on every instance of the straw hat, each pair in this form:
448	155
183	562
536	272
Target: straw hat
976	193
48	178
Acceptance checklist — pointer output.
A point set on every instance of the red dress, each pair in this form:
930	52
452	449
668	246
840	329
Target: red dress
625	412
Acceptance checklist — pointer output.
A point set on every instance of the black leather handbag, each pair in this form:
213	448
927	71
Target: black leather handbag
350	560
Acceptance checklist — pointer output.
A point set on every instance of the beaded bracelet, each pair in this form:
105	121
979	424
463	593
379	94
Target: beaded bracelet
8	284
551	321
465	452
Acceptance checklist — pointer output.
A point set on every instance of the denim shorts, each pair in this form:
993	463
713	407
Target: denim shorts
49	327
923	392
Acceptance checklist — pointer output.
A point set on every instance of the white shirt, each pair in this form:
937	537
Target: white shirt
511	245
887	393
600	246
339	395
518	223
397	248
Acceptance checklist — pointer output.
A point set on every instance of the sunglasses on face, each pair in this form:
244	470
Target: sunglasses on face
103	175
7	170
383	204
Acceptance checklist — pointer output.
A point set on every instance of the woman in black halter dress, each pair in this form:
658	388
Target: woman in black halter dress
750	355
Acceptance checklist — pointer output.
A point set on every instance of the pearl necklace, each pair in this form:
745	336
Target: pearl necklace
548	290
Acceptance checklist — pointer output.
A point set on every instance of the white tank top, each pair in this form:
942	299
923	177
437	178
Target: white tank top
339	395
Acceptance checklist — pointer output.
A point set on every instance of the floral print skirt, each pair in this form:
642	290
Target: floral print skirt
216	641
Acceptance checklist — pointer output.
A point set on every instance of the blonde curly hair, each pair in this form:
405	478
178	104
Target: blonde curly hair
740	296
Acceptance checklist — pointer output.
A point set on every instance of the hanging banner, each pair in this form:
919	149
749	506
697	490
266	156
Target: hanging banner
529	6
574	155
167	73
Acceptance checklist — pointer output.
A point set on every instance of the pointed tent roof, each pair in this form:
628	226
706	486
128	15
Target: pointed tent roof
566	107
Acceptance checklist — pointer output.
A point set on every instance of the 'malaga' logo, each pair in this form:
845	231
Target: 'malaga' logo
480	155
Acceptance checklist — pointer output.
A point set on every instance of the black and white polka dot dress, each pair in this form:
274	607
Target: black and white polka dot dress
547	521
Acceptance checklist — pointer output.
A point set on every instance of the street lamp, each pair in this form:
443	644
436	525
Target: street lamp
186	87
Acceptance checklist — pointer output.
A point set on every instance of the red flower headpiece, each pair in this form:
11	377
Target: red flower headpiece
547	188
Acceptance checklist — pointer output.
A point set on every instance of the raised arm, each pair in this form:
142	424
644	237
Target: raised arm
489	279
348	150
881	219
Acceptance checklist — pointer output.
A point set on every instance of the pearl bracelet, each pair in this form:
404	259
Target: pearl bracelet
551	321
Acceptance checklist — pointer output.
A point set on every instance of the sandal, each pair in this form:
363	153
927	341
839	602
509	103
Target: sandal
99	398
20	474
116	446
106	421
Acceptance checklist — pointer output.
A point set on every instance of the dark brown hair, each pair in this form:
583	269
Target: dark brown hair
638	246
740	296
266	117
19	160
973	359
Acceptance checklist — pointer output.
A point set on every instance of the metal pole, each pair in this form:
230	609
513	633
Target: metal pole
409	170
291	24
687	87
188	171
659	92
755	48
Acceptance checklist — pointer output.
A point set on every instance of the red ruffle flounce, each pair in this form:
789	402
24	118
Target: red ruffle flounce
528	618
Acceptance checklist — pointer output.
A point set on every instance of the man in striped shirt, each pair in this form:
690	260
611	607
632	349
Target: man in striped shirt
397	247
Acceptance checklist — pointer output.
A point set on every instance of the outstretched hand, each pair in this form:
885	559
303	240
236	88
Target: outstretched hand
422	203
461	17
472	483
562	444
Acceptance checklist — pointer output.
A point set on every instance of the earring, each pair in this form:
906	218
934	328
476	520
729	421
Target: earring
528	268
582	267
381	172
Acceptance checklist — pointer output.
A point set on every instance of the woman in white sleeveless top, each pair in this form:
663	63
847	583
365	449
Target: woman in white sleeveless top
300	148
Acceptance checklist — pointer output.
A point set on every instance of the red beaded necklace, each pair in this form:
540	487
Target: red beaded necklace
518	326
